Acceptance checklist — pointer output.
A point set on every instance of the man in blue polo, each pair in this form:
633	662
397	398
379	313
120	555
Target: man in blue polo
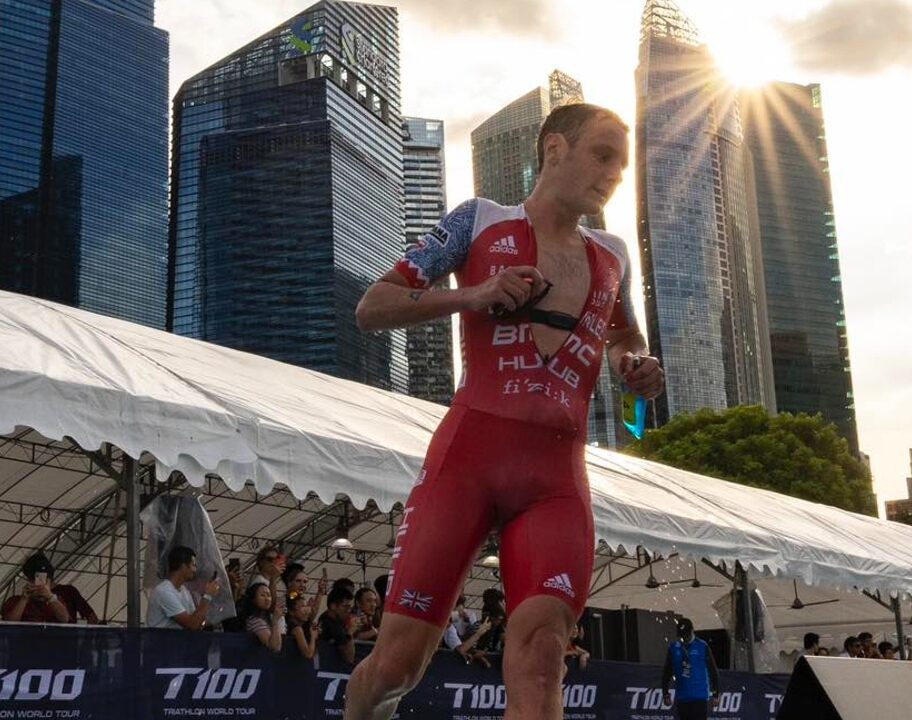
691	663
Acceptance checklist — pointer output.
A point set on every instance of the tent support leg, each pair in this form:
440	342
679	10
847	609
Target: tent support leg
130	485
744	582
900	638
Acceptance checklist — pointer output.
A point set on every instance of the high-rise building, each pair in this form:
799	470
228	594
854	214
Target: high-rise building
505	166
901	510
430	345
286	193
698	225
783	125
84	156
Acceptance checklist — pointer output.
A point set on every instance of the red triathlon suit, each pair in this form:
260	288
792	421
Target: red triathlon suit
510	451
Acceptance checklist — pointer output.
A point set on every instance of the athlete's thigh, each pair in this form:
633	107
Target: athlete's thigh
446	518
547	549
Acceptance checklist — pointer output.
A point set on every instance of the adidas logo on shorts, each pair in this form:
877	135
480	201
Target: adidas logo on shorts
561	582
505	246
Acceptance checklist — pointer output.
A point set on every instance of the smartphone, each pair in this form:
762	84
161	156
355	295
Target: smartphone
234	564
41	578
325	574
214	575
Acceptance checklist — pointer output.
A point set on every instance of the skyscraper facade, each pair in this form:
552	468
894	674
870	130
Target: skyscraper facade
505	166
286	193
83	155
698	226
785	130
430	345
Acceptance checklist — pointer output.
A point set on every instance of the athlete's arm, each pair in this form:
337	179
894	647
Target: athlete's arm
392	302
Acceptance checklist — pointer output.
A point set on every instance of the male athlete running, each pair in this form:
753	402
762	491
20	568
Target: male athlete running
539	298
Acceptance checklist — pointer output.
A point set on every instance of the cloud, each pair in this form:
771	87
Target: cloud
858	37
517	17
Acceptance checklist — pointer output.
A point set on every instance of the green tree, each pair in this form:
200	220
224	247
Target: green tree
798	455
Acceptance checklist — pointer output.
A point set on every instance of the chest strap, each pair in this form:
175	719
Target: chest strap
552	318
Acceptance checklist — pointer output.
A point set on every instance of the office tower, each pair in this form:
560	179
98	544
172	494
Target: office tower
901	510
698	226
783	125
505	167
430	345
83	155
286	193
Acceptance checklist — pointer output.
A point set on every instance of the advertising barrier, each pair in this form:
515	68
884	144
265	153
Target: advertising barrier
99	673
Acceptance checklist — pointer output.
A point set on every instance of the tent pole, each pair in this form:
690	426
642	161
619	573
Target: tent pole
129	479
900	638
744	582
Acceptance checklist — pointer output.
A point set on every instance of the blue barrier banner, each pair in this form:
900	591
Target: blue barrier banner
100	673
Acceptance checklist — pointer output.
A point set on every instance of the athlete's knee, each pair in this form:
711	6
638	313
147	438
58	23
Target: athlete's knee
395	674
536	657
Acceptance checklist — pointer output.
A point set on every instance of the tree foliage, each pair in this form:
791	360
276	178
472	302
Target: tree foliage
798	455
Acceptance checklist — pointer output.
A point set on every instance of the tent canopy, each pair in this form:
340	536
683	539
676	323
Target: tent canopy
206	410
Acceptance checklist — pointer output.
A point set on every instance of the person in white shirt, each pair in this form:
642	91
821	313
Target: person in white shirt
170	604
464	620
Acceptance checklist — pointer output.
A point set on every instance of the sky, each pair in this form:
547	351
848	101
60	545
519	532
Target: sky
463	61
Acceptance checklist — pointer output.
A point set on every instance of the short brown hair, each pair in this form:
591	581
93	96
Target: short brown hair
568	120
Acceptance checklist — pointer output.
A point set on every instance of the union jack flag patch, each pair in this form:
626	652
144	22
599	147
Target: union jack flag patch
414	599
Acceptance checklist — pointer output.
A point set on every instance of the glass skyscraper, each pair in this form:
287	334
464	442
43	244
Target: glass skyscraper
287	193
505	167
698	226
785	131
430	345
83	155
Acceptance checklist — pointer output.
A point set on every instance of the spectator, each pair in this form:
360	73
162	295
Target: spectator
171	604
491	599
489	639
262	617
346	583
365	607
574	649
467	648
335	623
269	566
868	648
691	664
851	647
380	584
301	627
823	651
43	600
811	644
887	650
296	581
236	583
464	620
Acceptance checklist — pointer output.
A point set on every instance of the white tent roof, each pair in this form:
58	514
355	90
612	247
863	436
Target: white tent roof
204	409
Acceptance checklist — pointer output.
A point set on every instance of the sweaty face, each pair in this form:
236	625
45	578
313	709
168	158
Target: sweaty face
589	170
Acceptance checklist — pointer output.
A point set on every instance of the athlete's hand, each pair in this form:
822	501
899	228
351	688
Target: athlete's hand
645	377
510	289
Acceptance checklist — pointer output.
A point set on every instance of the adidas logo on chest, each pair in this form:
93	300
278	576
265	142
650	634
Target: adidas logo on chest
504	246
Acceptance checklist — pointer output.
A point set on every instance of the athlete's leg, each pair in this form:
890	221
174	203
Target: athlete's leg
546	562
444	522
396	664
533	667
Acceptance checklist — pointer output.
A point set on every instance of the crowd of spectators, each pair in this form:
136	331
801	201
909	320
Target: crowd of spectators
854	646
273	602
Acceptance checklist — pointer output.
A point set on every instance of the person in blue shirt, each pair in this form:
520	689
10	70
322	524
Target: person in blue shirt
696	677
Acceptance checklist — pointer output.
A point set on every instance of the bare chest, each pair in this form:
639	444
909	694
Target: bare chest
568	272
